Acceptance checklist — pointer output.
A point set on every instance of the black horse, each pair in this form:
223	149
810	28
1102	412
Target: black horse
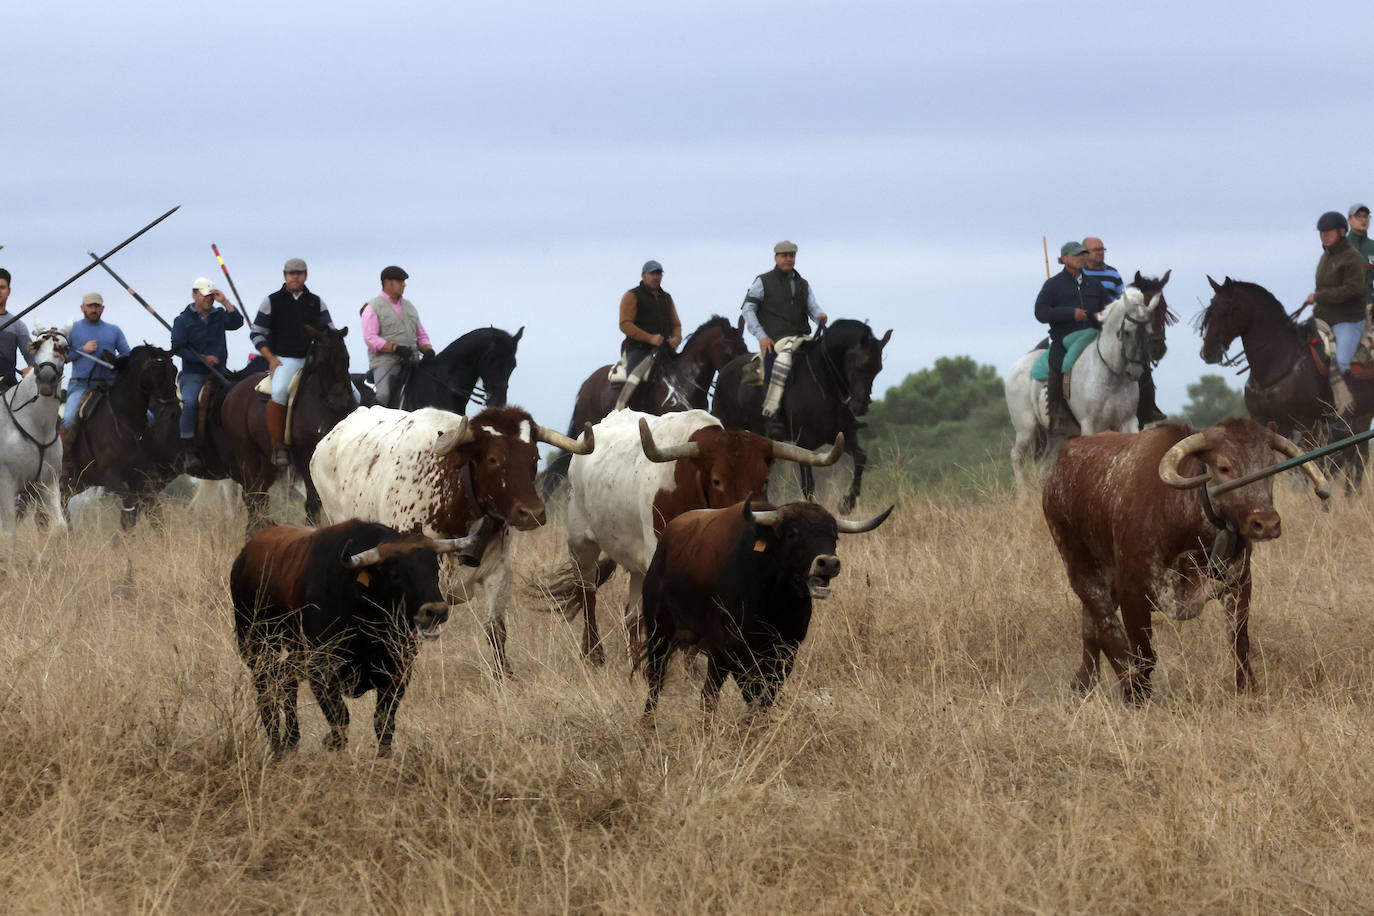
117	447
449	379
830	387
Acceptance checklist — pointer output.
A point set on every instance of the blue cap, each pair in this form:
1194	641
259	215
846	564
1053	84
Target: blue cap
652	267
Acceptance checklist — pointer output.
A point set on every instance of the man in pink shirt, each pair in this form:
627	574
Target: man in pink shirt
394	336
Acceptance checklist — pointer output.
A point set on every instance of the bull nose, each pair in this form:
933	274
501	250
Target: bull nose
827	566
1261	525
433	612
525	518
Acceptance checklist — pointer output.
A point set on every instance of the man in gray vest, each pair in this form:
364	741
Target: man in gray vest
776	311
394	336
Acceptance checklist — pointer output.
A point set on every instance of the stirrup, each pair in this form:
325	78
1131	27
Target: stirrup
281	456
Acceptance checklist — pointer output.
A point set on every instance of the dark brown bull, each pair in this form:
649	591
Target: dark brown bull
344	607
737	585
1132	519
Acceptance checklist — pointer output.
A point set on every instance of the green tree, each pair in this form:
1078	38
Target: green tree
1211	400
952	389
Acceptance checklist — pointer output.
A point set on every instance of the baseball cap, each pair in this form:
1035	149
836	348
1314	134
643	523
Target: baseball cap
202	286
93	299
651	267
1356	208
1069	248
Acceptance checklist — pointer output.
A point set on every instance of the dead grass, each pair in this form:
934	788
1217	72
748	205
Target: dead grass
927	754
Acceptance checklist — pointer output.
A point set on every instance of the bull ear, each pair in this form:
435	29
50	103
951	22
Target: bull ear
451	439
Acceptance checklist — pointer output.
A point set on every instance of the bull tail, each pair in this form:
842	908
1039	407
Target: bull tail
561	593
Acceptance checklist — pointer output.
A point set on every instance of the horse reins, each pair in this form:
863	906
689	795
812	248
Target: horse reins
9	397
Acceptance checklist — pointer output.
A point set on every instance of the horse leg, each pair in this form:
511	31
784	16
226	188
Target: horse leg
860	461
8	494
808	481
312	501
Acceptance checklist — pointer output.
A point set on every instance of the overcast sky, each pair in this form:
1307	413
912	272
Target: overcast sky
522	160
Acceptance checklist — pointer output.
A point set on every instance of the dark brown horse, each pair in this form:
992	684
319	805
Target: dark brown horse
1284	386
830	387
1160	318
324	396
117	447
680	381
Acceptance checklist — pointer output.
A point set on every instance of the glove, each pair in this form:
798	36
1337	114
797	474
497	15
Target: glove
426	356
402	352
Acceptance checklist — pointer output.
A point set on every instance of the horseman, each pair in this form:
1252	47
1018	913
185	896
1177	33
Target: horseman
1339	300
13	339
1110	278
1359	239
280	335
94	337
776	311
1068	302
198	337
394	336
648	318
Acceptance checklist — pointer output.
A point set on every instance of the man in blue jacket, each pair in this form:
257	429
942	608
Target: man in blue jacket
198	337
1067	302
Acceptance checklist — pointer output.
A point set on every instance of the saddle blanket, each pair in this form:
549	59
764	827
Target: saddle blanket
1074	344
1322	343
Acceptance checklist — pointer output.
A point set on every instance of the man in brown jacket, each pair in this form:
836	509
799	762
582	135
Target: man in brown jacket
1339	299
648	318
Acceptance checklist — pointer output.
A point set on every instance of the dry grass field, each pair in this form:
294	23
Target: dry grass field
927	754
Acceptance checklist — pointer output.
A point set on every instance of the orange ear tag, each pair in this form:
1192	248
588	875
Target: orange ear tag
364	579
760	545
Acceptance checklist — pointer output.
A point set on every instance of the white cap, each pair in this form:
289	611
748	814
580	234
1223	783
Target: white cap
202	286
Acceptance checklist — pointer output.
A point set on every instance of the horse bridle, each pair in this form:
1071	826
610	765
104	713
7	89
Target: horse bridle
9	396
1126	360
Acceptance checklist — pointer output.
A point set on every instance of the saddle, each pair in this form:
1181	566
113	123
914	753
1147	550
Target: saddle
264	390
1074	345
1322	344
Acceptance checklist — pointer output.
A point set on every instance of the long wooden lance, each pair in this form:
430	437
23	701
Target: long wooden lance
235	289
76	276
152	311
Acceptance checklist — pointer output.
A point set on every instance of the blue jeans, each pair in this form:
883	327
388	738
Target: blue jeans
1347	341
75	389
190	384
281	379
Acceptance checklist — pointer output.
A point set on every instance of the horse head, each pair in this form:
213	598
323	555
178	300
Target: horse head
1160	315
1229	315
497	363
857	356
326	362
1128	321
152	372
49	348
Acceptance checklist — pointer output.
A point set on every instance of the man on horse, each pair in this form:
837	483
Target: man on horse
1339	300
198	337
648	319
394	336
279	333
1068	302
1359	239
1110	278
777	309
13	339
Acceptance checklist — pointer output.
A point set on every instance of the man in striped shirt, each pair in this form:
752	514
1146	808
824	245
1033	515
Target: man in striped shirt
1098	268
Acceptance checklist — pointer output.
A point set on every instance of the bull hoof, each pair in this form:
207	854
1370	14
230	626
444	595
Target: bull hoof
1083	682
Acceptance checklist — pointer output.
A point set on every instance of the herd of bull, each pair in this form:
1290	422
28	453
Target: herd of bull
674	499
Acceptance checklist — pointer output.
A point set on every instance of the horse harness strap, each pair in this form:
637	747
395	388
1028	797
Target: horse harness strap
43	447
1126	360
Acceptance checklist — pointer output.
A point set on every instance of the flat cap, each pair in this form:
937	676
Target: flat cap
394	273
93	299
651	267
1069	248
293	266
785	247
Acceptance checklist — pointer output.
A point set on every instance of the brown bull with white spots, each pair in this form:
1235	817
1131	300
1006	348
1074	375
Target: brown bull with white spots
437	472
1132	519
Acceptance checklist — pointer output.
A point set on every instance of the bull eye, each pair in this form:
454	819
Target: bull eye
715	482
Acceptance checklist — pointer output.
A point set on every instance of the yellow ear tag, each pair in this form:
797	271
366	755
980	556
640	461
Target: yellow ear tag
364	579
760	545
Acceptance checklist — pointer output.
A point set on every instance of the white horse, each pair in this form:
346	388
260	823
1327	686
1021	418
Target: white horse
30	450
1104	387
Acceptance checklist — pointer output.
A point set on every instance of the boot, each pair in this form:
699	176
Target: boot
775	429
192	461
1063	424
483	529
1147	411
276	430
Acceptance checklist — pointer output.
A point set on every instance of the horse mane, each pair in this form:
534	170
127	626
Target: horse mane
847	332
492	333
718	322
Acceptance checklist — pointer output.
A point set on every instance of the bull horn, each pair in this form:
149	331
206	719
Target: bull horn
1290	448
668	452
767	517
452	545
847	527
583	446
368	557
451	439
817	459
1168	465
